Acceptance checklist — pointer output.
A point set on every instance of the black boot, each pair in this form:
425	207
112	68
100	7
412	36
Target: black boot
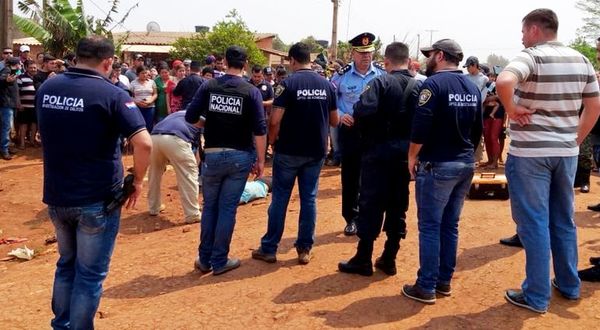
361	262
387	262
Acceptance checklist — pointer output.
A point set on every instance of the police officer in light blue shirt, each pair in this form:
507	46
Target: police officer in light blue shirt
350	82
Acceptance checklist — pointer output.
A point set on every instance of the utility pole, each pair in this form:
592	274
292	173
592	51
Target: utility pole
431	36
333	52
6	13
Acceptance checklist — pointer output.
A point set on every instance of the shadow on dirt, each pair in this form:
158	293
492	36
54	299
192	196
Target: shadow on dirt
336	284
287	243
505	316
371	311
476	257
587	219
147	286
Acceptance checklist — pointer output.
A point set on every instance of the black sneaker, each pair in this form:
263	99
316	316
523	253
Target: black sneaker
230	265
517	298
6	156
443	289
566	296
350	229
512	241
595	261
591	274
258	254
415	292
386	266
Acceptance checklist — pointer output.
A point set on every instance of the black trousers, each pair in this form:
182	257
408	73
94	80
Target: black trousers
351	159
384	190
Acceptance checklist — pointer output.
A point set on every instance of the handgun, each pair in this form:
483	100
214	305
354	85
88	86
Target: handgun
122	195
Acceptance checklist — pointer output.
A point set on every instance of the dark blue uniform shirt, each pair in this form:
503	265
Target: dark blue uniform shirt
187	88
81	116
232	110
448	121
175	124
307	99
266	90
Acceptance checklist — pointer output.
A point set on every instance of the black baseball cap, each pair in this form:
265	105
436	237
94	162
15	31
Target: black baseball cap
471	60
268	70
448	46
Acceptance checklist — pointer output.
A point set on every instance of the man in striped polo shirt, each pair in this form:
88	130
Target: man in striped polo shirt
542	90
26	115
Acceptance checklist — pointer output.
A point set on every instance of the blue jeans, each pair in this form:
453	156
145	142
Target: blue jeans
6	116
286	169
86	238
148	114
224	176
541	199
440	191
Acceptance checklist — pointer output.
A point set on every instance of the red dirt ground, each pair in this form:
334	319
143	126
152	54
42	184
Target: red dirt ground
152	285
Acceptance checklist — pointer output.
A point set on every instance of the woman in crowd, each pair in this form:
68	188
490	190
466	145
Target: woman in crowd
175	101
144	95
163	81
493	119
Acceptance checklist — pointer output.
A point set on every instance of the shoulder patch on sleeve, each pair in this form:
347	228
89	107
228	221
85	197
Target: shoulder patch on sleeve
424	97
279	90
344	69
378	66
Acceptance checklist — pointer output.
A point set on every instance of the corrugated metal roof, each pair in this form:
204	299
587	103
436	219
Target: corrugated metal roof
165	49
165	38
27	41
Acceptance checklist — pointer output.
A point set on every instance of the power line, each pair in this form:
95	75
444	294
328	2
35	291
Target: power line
120	23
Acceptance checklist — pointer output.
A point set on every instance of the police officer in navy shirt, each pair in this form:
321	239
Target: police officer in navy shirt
233	115
81	116
383	116
266	89
189	85
446	130
303	110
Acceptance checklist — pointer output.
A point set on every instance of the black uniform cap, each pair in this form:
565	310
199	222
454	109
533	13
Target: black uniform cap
363	42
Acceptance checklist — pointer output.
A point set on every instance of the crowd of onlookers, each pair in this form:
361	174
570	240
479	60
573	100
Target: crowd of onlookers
155	92
20	77
156	89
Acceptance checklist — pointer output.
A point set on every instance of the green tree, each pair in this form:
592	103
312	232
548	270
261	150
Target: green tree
591	27
228	32
496	60
313	44
377	55
59	26
586	49
278	44
344	51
